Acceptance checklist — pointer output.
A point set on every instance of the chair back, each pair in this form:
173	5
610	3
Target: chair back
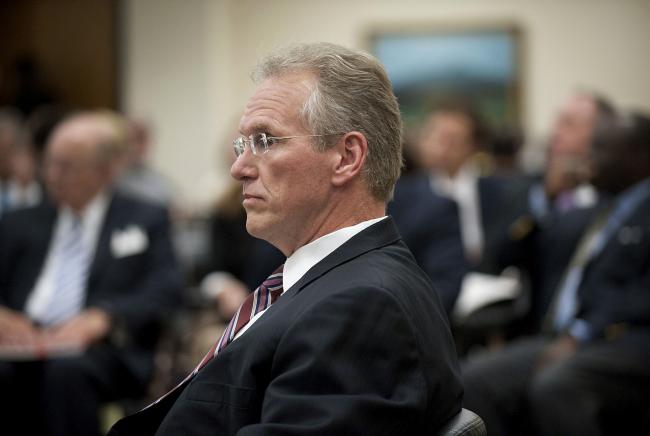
466	423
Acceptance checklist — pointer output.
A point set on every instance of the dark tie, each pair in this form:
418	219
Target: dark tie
258	301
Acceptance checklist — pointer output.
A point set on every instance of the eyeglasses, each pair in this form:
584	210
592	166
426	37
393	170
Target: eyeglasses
259	143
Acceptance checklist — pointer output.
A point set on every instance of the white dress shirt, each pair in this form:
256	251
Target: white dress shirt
92	218
463	189
304	258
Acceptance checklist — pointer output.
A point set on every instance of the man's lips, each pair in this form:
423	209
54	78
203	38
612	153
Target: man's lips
251	198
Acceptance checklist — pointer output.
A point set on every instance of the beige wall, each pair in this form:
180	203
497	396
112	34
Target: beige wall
187	62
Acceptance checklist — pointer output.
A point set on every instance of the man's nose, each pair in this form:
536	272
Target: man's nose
244	166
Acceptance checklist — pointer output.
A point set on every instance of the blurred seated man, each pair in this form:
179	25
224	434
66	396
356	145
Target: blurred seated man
85	281
565	185
450	213
449	149
540	236
588	374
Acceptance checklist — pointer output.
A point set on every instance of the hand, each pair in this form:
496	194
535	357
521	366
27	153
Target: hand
558	350
230	298
16	328
564	171
88	327
226	291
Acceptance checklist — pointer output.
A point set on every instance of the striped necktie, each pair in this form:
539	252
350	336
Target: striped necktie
256	302
71	274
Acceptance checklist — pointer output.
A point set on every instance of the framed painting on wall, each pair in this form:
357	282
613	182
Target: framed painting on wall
431	64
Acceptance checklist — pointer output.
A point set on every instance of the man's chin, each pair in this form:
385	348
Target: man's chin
255	226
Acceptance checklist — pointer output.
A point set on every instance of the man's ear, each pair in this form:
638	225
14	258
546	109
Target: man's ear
351	151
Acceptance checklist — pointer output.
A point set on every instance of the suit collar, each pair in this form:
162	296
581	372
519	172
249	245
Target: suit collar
376	236
305	257
102	253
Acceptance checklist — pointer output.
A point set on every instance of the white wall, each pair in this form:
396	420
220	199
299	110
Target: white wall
187	62
174	77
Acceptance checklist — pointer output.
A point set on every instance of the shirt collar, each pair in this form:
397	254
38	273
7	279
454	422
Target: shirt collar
304	258
443	184
92	214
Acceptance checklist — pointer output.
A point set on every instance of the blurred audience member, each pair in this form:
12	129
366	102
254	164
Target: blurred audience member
139	179
450	148
565	184
452	211
587	375
84	284
541	237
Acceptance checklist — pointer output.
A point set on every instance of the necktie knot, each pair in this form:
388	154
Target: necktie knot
256	302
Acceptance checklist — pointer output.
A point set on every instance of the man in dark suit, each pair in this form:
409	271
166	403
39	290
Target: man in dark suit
451	151
84	283
588	375
358	342
541	236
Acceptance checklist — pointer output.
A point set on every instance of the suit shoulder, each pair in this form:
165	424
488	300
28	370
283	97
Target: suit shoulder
390	270
136	206
22	217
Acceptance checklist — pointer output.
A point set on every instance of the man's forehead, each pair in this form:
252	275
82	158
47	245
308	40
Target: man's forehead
275	97
74	138
579	106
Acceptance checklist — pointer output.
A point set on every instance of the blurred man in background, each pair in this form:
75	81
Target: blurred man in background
85	281
586	374
566	177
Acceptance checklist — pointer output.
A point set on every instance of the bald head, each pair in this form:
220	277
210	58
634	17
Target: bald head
80	159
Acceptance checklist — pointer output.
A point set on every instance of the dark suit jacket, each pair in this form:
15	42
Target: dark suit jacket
616	284
496	195
359	346
430	227
137	289
542	248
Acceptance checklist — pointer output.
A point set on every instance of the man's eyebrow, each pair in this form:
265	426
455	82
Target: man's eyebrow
258	128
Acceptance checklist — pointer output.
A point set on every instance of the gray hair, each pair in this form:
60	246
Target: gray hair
352	93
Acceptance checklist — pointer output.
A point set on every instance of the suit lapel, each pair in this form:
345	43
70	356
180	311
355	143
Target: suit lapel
41	235
103	250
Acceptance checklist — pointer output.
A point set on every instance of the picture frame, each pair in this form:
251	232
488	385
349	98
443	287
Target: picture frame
432	63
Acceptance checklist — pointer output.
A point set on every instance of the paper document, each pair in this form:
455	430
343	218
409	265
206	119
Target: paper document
479	290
